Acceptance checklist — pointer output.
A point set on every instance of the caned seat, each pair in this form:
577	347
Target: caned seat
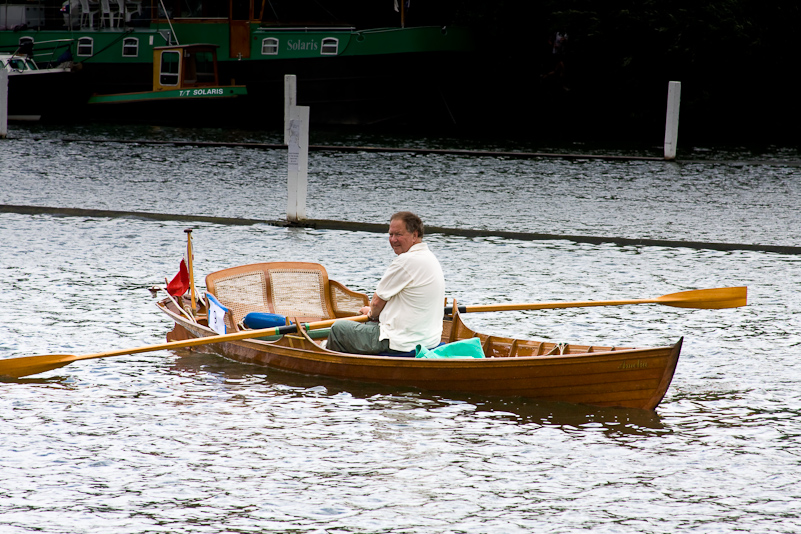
293	289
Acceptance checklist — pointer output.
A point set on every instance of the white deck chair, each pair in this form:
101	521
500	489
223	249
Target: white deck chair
87	15
108	15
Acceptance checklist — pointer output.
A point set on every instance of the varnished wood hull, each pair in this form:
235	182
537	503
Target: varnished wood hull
632	378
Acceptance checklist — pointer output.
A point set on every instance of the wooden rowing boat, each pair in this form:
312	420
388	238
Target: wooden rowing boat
603	376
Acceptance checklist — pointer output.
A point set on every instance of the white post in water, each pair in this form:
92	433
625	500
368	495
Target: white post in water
290	101
672	119
298	162
3	103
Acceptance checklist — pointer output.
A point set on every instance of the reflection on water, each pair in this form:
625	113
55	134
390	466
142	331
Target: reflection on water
187	442
513	410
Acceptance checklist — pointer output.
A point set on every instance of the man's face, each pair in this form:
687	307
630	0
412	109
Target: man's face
399	237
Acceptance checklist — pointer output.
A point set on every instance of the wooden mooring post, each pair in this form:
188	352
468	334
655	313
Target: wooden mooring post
3	103
296	138
297	163
290	100
672	120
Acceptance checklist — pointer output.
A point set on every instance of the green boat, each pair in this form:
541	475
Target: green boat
186	89
348	70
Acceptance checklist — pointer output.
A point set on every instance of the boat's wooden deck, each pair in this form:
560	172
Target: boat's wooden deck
494	346
504	347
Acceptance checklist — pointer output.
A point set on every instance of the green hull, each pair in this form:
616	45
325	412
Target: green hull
196	93
349	75
105	46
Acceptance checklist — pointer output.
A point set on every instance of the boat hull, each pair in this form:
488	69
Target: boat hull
176	95
631	378
31	95
198	105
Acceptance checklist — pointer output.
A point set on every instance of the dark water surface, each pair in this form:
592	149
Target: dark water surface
188	442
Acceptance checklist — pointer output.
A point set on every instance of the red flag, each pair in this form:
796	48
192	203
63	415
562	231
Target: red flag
180	283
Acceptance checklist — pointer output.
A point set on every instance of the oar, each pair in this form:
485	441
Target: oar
32	365
707	299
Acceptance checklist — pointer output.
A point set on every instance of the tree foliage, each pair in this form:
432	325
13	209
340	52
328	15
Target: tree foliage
731	56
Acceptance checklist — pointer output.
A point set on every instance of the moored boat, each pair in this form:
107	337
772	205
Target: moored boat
30	87
603	376
186	87
355	62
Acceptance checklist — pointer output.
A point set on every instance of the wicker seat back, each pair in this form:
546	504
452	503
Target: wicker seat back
293	289
346	302
301	291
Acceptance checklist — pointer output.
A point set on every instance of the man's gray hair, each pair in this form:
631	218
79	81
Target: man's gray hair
412	222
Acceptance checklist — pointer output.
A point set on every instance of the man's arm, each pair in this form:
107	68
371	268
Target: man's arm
375	307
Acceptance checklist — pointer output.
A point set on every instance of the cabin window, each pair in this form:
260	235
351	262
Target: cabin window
205	67
330	46
17	64
269	46
170	63
199	68
130	47
85	46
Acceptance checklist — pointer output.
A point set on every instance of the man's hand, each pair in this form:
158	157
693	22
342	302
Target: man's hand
374	309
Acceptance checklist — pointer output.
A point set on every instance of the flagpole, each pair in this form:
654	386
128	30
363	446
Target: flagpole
189	257
180	308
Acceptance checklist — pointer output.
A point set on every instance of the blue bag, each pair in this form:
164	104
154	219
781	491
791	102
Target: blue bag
258	320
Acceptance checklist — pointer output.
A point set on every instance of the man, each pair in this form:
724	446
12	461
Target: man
407	307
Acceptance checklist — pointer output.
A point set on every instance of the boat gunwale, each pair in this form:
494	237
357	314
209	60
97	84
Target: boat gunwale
636	378
164	95
312	348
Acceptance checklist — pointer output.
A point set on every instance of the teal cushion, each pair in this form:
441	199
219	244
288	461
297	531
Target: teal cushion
465	348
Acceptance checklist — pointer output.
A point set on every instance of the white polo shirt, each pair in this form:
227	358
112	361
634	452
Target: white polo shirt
414	289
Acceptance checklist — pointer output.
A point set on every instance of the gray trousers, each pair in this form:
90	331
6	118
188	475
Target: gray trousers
356	338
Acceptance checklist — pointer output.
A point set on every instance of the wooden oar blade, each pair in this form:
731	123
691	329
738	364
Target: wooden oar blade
33	365
707	299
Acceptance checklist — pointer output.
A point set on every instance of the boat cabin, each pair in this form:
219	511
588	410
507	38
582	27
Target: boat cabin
16	63
184	67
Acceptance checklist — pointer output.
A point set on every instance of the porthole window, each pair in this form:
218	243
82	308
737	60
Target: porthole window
269	46
330	46
86	46
130	47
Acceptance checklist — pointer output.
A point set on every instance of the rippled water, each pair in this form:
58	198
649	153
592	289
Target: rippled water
716	196
189	442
